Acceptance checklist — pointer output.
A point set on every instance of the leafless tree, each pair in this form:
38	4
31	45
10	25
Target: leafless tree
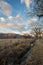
39	8
38	11
37	31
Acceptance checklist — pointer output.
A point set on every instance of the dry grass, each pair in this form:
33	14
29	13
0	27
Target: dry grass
36	56
11	51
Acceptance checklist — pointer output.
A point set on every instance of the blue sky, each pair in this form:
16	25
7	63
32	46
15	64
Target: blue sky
14	17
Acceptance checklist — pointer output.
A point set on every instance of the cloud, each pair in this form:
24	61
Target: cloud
1	26
5	8
10	17
8	25
18	18
12	23
19	27
11	26
2	19
27	2
32	21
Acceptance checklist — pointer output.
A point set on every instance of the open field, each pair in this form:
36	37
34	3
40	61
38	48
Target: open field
4	42
12	52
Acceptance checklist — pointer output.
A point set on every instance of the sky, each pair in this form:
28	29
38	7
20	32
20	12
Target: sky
16	16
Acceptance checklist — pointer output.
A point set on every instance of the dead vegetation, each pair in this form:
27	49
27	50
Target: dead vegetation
11	54
36	56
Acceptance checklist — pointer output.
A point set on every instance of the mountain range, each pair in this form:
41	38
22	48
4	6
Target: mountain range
13	36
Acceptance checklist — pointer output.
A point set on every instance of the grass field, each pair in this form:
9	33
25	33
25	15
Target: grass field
12	51
4	42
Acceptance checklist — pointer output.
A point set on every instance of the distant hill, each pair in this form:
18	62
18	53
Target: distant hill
12	35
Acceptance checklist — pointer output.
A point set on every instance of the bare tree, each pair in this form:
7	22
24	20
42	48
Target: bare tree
38	11
36	31
39	8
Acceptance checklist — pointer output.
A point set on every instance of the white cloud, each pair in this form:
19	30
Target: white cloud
5	8
11	26
13	23
10	17
2	19
18	18
6	25
32	21
27	2
19	27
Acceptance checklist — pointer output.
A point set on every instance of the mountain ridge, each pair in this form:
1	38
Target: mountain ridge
13	35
